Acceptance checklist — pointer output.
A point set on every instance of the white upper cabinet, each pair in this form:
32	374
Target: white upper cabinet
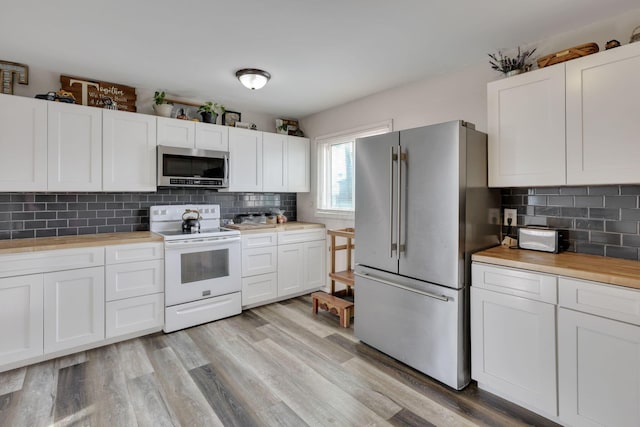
526	127
212	137
245	160
128	151
298	174
23	141
274	162
176	133
189	134
74	147
602	117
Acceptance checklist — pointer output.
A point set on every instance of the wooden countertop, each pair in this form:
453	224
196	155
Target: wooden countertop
614	271
67	242
270	228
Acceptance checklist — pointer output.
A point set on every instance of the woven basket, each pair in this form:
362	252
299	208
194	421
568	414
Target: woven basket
568	54
635	35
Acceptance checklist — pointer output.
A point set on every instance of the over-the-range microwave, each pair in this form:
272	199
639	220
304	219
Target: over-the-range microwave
189	167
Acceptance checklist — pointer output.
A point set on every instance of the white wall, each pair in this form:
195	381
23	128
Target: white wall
458	95
43	81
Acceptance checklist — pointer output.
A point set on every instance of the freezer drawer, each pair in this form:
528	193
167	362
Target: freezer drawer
422	325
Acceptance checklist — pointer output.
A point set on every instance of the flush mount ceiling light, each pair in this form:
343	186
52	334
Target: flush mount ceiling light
252	78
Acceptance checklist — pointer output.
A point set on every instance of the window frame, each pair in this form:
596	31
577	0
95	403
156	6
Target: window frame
322	147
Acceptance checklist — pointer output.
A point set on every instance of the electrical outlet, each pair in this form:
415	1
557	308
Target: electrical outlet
513	214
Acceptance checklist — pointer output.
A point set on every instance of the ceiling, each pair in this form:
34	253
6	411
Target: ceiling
321	53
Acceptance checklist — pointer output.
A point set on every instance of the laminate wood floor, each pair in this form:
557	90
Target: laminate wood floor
276	365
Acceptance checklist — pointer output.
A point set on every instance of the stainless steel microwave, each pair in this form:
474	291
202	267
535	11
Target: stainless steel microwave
189	167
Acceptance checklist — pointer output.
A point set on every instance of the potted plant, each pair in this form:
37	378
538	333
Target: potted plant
210	110
511	66
161	106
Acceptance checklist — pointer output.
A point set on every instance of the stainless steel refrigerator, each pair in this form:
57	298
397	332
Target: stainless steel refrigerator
422	207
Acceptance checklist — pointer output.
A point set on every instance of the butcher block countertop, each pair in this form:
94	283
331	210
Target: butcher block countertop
68	242
270	228
614	271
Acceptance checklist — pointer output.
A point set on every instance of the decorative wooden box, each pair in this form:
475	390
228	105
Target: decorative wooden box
568	54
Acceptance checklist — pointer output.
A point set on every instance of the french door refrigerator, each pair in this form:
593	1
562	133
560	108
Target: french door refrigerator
422	207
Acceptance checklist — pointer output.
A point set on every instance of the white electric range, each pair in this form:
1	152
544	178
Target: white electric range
202	270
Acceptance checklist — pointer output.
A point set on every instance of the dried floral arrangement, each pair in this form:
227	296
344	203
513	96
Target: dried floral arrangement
505	64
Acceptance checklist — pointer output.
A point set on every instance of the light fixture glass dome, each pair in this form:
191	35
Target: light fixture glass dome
252	78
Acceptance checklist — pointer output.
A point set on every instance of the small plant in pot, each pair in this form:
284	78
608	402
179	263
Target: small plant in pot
161	106
512	66
210	110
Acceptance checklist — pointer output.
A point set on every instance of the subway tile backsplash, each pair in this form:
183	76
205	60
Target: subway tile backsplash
25	215
600	220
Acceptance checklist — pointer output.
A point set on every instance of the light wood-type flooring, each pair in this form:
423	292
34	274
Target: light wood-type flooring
276	365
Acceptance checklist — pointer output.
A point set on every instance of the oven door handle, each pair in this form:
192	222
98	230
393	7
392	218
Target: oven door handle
194	243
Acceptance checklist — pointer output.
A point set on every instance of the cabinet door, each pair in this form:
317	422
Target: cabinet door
74	147
259	261
526	128
21	326
73	308
133	315
23	135
258	289
212	137
245	160
602	117
298	173
315	270
598	370
128	151
290	269
274	162
176	133
134	279
513	348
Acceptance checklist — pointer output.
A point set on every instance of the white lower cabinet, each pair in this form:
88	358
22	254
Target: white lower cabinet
134	289
73	308
291	269
136	314
598	354
282	264
21	325
513	335
514	353
56	302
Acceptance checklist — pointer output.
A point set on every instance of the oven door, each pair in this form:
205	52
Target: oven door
201	268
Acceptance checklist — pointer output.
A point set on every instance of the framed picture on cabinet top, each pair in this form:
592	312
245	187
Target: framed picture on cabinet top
229	118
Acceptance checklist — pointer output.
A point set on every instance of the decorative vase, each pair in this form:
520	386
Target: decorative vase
163	110
209	117
512	73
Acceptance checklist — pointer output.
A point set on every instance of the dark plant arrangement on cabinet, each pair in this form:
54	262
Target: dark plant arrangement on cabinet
511	66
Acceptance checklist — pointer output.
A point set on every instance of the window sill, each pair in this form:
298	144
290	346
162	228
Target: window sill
348	215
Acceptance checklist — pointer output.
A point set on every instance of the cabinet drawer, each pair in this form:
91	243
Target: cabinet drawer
134	279
48	261
259	289
134	315
134	252
301	236
259	240
610	301
259	261
535	286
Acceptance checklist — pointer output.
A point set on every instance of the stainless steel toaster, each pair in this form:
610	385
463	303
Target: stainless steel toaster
540	239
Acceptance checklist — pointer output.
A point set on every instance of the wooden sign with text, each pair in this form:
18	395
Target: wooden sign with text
93	92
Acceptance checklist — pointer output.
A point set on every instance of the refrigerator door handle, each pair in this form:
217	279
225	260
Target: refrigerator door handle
406	288
399	246
392	246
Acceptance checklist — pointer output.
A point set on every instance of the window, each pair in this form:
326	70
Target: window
336	169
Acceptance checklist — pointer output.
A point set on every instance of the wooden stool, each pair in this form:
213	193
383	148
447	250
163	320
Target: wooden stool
333	305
